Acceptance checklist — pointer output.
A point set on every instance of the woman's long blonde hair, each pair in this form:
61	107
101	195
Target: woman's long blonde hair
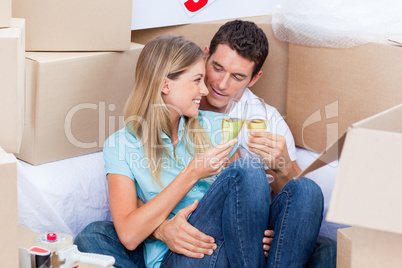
145	112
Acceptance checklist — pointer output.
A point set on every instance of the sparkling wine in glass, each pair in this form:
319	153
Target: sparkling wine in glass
233	120
257	121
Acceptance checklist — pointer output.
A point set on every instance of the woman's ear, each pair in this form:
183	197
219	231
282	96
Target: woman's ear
165	88
206	50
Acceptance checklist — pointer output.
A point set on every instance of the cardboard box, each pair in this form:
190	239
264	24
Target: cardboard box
5	13
329	89
8	210
373	248
271	86
74	101
367	188
75	25
364	247
344	248
12	91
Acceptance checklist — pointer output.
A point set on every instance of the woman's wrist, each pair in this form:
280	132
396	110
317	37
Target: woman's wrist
191	171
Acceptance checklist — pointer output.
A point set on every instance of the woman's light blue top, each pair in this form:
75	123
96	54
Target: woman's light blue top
124	154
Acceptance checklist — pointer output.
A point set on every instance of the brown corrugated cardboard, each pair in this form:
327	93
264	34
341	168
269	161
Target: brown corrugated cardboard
75	25
366	192
74	101
5	13
12	77
329	89
271	86
8	210
344	248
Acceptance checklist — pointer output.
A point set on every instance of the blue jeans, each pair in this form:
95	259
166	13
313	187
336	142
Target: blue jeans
100	237
235	211
240	190
295	216
324	254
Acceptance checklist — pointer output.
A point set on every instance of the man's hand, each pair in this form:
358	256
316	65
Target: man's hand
266	241
183	238
274	150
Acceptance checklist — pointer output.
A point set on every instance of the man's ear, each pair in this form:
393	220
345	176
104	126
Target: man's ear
165	88
255	79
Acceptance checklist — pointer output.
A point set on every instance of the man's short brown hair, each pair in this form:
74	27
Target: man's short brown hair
246	38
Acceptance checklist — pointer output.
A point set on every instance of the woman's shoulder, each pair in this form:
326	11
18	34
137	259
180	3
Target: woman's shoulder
123	135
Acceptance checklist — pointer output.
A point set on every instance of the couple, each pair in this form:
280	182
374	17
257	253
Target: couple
180	136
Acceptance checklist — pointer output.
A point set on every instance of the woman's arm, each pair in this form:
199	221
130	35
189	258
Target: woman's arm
133	224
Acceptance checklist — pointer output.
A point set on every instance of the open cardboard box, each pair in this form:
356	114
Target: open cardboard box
367	188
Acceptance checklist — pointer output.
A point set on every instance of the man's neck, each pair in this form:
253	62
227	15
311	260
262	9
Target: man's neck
204	105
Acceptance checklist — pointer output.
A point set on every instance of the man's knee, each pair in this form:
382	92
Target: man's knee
310	192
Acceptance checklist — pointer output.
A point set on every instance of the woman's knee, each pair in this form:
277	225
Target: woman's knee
250	175
93	230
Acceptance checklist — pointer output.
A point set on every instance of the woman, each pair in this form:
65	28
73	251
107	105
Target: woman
163	155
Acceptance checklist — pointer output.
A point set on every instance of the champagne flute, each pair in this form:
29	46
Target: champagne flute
232	123
257	121
233	120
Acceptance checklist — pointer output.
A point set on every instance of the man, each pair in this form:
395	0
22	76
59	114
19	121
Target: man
235	57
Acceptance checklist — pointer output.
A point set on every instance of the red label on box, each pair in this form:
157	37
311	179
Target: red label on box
193	7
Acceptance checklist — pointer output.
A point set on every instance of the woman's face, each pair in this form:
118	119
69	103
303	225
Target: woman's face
183	95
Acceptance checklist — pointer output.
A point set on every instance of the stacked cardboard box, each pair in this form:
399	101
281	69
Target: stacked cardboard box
76	25
329	89
74	101
8	210
366	193
344	248
12	91
77	85
5	13
73	98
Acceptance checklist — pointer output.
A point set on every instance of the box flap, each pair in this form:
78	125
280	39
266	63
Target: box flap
331	154
367	188
386	120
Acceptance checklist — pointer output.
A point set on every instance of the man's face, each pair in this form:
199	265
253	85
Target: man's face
227	76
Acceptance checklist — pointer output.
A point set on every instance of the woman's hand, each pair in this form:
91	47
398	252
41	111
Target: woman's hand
266	241
212	161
